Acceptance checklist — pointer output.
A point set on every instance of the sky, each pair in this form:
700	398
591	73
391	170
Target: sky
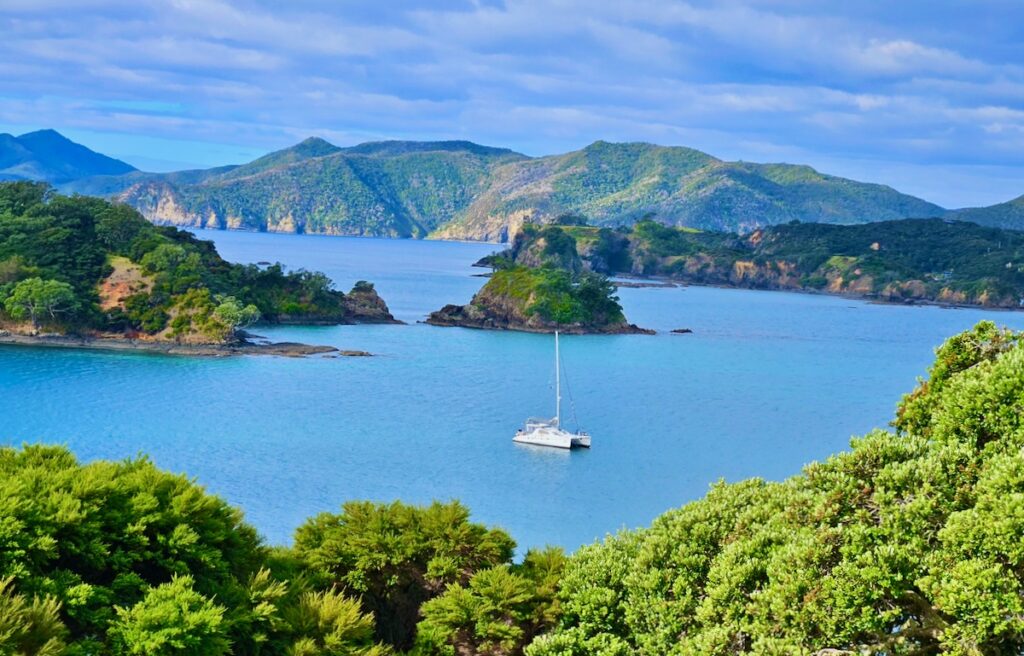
924	95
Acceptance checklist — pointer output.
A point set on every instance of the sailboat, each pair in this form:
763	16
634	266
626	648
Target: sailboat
549	432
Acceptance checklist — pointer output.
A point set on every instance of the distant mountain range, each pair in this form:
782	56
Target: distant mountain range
462	190
50	156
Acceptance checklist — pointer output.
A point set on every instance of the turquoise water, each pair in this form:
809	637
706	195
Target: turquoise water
767	382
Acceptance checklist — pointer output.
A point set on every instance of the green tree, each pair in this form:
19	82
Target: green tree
231	311
329	624
101	535
395	557
171	620
36	299
29	628
117	226
497	613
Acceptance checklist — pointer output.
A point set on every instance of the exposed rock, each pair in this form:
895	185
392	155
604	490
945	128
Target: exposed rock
514	299
475	316
682	331
366	306
107	343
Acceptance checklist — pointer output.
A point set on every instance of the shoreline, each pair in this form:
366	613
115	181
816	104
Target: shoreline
871	300
126	345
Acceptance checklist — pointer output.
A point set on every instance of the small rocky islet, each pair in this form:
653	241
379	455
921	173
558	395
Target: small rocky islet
542	300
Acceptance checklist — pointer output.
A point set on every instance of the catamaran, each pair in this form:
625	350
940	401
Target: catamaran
549	432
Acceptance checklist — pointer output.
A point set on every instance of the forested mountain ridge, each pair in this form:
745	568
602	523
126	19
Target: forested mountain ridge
907	260
1009	215
909	543
461	190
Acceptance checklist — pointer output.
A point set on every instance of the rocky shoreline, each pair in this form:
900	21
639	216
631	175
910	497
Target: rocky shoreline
667	282
124	344
469	316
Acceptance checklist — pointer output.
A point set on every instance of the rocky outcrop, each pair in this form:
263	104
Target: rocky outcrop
492	318
117	343
361	305
535	300
365	305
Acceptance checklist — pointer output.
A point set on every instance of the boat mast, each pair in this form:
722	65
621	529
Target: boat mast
558	386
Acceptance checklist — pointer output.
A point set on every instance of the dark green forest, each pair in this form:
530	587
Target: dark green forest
910	543
84	265
906	260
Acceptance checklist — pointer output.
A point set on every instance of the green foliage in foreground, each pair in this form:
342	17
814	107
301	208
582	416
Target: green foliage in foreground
55	251
911	543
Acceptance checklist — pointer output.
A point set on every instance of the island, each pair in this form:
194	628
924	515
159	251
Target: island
902	261
542	299
87	273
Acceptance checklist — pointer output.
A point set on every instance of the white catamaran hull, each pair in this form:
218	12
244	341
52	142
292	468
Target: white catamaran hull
552	436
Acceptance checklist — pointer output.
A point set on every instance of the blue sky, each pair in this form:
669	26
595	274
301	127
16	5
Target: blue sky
927	96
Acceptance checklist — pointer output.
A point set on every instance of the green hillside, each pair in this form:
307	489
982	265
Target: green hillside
461	190
84	266
907	260
1009	215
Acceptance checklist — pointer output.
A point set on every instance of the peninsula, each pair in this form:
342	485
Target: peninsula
86	273
903	261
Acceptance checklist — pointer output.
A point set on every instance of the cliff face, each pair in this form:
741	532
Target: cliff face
364	305
458	190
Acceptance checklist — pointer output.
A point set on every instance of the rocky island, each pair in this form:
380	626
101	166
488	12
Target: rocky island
903	261
79	272
541	299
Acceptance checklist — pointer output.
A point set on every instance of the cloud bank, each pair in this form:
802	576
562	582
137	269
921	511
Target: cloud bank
926	96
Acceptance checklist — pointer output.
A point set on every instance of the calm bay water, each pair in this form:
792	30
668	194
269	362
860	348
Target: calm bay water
767	382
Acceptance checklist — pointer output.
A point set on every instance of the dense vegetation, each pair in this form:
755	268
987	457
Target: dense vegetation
908	544
541	290
465	191
84	265
122	558
905	260
1008	215
540	299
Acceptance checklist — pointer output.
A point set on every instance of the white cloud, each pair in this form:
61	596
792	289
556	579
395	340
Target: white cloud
736	78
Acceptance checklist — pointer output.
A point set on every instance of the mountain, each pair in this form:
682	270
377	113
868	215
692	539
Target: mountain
463	190
393	189
1009	215
48	155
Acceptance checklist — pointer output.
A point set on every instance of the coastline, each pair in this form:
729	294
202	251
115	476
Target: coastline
872	300
123	344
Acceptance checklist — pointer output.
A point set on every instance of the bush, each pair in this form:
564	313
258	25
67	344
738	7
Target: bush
395	557
908	544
